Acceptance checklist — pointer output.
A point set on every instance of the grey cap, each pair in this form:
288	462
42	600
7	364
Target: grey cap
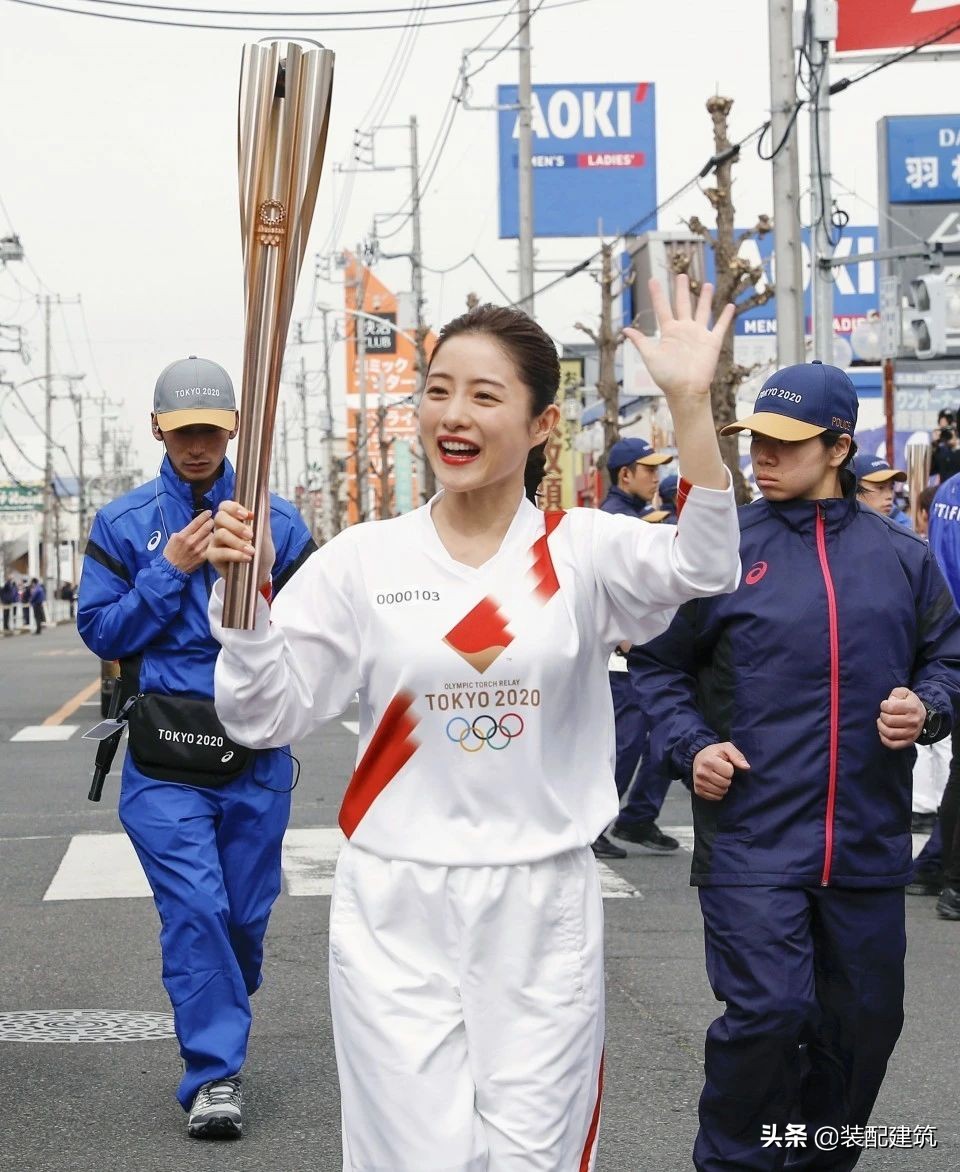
194	390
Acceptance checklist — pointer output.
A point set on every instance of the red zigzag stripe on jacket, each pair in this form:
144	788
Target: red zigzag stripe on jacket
545	576
683	491
390	748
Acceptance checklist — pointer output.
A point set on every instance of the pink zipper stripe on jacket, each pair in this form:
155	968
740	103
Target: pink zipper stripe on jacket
834	695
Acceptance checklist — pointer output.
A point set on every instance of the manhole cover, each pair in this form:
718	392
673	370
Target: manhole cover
84	1025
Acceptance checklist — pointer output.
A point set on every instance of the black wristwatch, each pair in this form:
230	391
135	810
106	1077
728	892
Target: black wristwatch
932	726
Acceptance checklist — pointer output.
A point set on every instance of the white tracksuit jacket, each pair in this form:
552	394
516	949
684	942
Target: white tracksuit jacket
486	724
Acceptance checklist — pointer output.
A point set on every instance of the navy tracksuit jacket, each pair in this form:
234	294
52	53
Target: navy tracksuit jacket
212	856
801	865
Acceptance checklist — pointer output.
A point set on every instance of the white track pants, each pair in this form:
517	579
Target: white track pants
930	775
468	1014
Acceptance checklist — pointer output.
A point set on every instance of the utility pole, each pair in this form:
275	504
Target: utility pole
47	526
384	445
362	455
428	483
823	16
605	339
306	510
331	488
285	452
77	398
786	186
525	160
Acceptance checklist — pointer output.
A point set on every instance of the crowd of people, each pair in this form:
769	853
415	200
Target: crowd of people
24	604
733	650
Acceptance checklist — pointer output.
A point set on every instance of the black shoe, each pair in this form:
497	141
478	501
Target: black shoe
647	835
948	905
925	883
922	823
603	848
215	1113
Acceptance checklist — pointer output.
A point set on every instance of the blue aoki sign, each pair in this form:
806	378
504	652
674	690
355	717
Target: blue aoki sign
594	158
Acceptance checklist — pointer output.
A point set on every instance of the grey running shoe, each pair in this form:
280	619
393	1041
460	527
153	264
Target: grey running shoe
215	1113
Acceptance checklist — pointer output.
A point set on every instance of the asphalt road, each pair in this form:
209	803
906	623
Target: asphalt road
107	1105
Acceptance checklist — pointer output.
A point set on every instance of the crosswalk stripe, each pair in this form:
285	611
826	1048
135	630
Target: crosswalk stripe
45	732
105	866
99	866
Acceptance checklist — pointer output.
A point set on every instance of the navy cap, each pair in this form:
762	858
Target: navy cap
802	401
634	451
668	487
874	470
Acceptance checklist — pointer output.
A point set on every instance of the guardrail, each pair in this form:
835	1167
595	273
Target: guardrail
17	617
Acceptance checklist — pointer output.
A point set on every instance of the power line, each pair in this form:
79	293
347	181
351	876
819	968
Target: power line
254	28
835	88
271	12
506	45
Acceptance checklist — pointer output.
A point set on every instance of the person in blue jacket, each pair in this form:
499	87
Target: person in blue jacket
632	464
875	481
944	533
38	596
792	705
667	495
206	824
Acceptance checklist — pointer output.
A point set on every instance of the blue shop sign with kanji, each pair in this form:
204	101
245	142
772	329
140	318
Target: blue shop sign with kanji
594	159
923	157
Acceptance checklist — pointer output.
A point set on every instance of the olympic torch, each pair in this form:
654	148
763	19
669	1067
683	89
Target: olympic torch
284	113
919	458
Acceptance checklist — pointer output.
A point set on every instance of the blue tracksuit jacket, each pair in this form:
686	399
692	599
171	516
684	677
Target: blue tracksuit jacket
132	601
837	606
944	532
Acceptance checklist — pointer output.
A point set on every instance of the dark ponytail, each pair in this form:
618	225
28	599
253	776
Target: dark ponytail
534	470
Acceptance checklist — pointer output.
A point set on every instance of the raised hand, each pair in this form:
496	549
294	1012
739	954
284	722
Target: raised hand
682	360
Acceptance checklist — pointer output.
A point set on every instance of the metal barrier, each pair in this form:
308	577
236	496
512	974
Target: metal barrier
17	617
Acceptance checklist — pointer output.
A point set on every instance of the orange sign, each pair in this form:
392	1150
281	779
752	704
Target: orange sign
389	375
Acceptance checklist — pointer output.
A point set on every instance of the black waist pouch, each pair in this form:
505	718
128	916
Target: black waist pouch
175	738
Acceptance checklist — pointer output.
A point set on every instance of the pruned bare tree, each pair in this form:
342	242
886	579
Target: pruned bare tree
734	279
606	340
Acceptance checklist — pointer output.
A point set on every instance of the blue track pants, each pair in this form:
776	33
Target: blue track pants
212	858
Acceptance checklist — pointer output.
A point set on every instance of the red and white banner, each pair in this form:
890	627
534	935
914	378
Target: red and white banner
895	24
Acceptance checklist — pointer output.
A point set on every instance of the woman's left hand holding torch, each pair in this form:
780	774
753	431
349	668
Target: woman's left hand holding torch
233	541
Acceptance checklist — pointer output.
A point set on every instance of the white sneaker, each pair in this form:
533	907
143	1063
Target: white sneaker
215	1113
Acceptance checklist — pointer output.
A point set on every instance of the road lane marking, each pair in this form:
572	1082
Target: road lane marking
105	866
70	707
46	732
99	866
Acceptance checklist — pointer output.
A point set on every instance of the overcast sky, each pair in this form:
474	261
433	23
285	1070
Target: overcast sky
118	166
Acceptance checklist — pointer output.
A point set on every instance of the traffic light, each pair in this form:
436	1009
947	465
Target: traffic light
934	315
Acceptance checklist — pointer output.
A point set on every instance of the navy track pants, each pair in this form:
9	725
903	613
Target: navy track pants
212	858
813	984
650	779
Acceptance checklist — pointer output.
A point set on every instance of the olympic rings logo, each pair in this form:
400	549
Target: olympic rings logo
485	730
